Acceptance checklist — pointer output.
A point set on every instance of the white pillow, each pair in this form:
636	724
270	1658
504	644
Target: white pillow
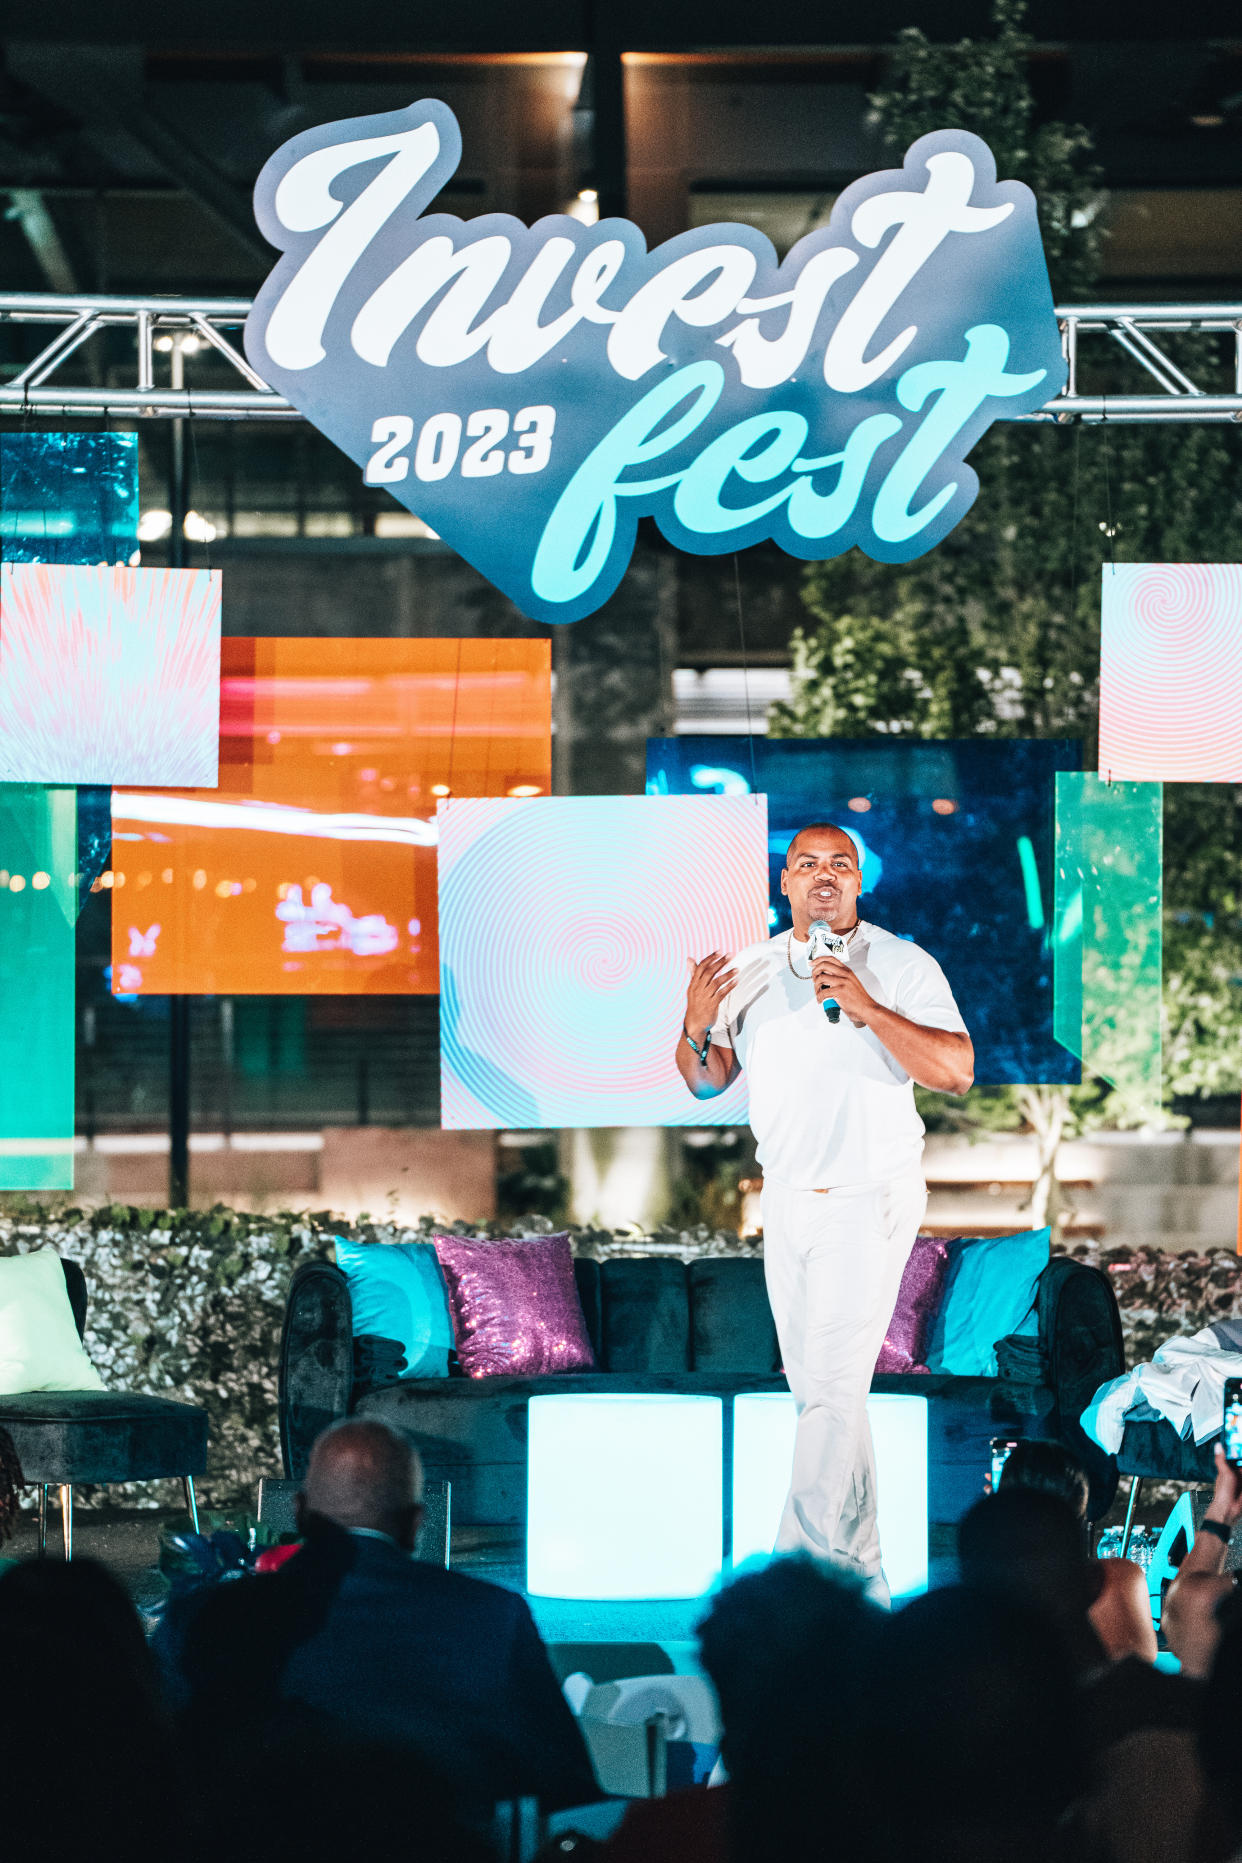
39	1345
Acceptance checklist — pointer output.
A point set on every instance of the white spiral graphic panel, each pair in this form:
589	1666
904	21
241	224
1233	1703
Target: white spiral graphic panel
109	674
1171	673
566	929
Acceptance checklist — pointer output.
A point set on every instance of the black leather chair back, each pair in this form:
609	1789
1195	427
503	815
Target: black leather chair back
75	1282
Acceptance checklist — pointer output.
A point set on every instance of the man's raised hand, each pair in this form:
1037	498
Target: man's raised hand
710	979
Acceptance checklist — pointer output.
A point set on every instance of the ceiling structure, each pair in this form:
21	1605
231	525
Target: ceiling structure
130	138
131	133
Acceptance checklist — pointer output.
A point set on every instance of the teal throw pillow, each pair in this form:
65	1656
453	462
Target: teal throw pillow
989	1292
398	1292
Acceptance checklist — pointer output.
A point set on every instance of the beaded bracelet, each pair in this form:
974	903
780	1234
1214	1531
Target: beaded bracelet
702	1052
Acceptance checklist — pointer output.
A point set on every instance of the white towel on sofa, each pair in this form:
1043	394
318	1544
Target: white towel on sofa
1184	1381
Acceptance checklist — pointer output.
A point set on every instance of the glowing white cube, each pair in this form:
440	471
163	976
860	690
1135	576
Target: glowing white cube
624	1496
763	1438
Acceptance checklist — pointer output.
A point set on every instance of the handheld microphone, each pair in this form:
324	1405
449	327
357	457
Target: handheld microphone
824	942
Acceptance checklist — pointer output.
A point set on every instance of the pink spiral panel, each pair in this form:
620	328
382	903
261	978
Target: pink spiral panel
566	925
1171	672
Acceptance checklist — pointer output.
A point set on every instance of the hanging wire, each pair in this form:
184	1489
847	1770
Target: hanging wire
1110	527
668	705
741	634
196	480
453	722
489	735
1074	527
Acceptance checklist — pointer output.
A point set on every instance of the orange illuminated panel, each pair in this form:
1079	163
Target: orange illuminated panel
311	870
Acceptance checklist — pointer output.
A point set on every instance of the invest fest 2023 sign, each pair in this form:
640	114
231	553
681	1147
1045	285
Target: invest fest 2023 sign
531	392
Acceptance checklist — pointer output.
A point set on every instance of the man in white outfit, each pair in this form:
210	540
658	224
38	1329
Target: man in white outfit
841	1147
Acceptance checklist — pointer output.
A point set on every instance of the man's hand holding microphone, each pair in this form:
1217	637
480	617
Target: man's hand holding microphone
836	986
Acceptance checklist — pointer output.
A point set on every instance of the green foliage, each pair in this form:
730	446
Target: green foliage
996	632
534	1181
708	1186
983	85
1009	1109
190	1304
1202	939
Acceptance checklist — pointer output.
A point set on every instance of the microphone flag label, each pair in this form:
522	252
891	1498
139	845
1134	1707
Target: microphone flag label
531	392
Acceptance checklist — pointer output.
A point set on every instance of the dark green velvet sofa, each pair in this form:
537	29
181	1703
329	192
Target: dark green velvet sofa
660	1324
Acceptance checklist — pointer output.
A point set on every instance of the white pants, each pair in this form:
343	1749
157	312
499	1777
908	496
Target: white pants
833	1261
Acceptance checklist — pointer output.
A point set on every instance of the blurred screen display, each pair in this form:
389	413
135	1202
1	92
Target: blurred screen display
957	840
561	997
311	869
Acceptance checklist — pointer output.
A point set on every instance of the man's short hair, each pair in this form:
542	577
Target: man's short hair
824	828
361	1472
1049	1468
1017	1531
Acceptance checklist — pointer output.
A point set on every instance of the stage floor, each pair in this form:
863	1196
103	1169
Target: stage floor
128	1543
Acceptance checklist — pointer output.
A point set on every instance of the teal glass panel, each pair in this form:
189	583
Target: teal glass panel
69	497
38	909
1107	934
72	498
64	498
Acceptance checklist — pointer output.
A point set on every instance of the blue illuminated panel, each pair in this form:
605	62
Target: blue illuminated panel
69	497
957	839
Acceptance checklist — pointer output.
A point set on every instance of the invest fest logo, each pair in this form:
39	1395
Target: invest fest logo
531	392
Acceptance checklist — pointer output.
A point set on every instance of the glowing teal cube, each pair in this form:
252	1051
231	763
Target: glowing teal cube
763	1439
624	1496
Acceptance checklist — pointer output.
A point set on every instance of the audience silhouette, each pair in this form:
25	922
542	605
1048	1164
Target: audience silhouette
355	1634
357	1699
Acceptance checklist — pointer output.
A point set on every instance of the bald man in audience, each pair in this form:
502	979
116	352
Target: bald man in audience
356	1631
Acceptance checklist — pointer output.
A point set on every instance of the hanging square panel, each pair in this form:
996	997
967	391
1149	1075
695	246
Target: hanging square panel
69	497
108	675
567	927
957	845
38	908
311	868
1171	672
72	498
1108	931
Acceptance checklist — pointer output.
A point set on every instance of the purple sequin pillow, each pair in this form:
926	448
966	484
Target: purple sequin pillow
918	1301
515	1306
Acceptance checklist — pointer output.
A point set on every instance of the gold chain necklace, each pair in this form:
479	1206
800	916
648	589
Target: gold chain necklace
849	937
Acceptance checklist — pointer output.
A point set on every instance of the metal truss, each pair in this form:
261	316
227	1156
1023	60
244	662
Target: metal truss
122	340
120	376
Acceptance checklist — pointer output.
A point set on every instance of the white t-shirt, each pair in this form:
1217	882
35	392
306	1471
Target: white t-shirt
829	1104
